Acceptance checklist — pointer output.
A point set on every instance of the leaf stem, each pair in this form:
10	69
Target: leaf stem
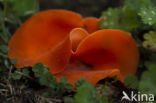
4	13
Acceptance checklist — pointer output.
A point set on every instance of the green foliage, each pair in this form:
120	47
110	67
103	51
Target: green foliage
1	15
24	7
5	34
148	15
20	73
4	48
119	18
45	78
13	61
86	93
150	40
145	9
3	55
103	99
80	82
110	18
39	70
15	9
127	18
68	100
16	76
105	88
147	83
137	4
131	81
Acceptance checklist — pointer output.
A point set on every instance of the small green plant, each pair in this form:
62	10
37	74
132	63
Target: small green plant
86	93
150	41
128	17
131	81
147	83
45	78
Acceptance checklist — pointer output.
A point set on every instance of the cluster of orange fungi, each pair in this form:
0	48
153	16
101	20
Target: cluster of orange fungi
74	47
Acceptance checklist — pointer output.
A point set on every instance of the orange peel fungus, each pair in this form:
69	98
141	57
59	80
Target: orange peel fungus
57	38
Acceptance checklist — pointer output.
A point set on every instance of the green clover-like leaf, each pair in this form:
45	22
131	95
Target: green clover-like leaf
148	15
150	40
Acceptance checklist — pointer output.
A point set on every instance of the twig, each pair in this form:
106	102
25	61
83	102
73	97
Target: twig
10	71
3	91
54	100
3	85
10	87
24	75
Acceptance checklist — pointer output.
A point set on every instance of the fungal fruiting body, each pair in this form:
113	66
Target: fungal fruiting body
65	41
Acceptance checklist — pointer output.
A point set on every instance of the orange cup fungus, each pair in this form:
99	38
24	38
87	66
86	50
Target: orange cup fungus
57	38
